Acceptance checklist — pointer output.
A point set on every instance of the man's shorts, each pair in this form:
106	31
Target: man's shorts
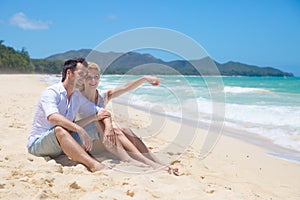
47	144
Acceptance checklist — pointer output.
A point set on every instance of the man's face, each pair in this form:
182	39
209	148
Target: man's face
80	73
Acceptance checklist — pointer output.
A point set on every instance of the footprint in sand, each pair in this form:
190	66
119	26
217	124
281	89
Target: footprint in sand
74	185
43	194
16	125
210	191
130	193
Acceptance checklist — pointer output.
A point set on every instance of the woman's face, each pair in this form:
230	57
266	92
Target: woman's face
92	79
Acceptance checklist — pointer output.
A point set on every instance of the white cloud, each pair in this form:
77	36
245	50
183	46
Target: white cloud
112	17
22	21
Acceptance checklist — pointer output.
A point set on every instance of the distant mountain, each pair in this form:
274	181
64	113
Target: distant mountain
136	63
70	54
14	61
240	69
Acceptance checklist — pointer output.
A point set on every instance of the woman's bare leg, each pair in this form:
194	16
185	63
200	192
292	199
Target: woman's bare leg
140	145
118	150
133	150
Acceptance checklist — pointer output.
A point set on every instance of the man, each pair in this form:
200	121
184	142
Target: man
54	131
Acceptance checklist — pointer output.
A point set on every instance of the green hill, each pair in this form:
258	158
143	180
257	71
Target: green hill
136	63
12	61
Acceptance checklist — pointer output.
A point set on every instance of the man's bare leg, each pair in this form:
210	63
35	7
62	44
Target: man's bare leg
73	150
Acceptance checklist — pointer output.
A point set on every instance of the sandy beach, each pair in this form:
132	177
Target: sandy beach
234	169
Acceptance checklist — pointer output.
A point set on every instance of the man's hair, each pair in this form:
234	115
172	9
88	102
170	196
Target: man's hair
82	61
71	64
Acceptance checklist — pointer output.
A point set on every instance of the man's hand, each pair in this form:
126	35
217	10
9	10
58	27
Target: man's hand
102	114
87	142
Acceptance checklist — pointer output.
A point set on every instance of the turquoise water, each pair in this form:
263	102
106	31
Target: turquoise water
263	90
268	107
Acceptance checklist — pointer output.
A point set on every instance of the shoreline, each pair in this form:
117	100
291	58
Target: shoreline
271	148
234	169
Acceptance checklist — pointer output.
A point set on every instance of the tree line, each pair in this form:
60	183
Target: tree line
14	61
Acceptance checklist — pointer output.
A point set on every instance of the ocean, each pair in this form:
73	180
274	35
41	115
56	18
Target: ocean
265	107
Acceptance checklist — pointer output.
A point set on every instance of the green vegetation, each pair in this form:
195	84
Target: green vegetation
12	61
43	66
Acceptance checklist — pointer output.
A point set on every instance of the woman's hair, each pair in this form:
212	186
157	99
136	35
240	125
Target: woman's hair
91	65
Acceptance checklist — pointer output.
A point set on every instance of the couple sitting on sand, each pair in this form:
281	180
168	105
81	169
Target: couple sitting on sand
55	130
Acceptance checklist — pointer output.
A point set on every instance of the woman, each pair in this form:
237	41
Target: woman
128	146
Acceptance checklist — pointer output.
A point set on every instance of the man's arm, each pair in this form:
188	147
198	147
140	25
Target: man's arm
60	120
131	86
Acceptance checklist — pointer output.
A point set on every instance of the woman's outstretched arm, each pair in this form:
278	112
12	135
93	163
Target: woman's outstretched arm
131	86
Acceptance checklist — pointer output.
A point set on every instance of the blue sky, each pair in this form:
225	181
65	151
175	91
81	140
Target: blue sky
258	32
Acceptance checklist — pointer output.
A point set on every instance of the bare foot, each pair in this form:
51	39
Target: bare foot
137	163
100	167
156	166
